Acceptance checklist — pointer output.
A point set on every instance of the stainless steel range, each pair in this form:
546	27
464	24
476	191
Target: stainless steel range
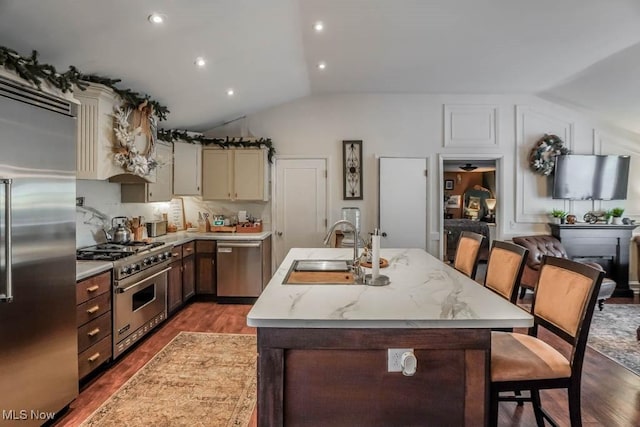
140	273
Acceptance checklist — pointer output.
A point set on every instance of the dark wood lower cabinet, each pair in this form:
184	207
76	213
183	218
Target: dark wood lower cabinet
188	277
181	284
205	267
174	286
339	377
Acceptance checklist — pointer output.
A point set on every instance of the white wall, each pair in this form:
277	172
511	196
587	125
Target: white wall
505	126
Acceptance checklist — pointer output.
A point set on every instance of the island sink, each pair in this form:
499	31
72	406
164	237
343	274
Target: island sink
320	265
319	272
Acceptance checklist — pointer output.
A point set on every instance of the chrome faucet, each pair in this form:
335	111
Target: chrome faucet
355	264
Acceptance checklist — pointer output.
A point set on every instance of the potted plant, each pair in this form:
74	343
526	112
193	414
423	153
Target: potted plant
558	216
616	213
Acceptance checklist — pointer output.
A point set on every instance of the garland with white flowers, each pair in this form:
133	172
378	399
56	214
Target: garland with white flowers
127	155
542	156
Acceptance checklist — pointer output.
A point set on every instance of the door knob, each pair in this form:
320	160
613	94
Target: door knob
384	234
279	233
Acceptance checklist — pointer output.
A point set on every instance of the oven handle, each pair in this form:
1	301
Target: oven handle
135	285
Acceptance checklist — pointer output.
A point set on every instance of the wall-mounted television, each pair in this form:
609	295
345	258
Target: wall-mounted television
591	177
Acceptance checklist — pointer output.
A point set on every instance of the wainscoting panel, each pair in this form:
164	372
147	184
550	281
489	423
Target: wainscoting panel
470	126
533	191
604	143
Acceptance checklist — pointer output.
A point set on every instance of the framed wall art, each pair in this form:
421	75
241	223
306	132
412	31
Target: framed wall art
352	170
448	184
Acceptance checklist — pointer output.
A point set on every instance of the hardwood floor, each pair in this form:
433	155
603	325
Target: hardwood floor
611	393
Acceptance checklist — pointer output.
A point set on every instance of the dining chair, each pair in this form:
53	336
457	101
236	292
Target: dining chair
504	269
468	253
563	303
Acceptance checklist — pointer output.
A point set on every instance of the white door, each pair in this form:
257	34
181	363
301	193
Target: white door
300	205
403	202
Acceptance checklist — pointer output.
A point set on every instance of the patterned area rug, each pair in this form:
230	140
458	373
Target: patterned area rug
613	333
198	379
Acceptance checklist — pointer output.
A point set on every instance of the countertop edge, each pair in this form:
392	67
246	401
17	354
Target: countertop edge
86	269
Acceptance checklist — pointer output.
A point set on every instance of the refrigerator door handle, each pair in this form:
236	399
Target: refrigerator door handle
7	295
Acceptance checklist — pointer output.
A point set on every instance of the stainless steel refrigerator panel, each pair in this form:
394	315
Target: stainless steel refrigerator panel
239	270
38	355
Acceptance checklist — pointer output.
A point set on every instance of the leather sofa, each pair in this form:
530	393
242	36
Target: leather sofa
541	245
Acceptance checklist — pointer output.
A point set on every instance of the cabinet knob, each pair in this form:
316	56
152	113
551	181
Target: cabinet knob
150	194
213	261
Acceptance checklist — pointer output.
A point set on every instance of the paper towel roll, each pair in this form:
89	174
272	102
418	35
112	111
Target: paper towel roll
375	256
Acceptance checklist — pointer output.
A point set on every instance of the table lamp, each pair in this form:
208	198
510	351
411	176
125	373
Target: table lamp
491	204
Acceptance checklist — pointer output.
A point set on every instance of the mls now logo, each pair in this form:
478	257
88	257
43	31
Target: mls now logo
23	414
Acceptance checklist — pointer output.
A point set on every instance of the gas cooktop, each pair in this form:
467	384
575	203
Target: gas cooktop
114	251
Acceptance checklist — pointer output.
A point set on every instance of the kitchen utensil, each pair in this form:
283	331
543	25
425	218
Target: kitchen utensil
119	233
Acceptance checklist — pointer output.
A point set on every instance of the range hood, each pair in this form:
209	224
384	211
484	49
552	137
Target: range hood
129	178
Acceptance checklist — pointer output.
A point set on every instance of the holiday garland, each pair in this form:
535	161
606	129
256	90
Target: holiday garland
31	70
542	156
174	135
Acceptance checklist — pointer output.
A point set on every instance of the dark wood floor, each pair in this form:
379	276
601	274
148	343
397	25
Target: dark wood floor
611	393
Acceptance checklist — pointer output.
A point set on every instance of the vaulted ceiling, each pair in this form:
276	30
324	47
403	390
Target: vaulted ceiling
580	52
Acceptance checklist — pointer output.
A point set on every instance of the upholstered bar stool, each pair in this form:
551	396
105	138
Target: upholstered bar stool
545	245
563	304
504	269
468	253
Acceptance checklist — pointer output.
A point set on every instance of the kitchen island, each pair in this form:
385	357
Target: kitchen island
323	348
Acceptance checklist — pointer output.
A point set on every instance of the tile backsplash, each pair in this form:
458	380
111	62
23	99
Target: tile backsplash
102	202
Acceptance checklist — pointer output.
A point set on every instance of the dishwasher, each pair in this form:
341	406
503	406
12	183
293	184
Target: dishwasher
240	268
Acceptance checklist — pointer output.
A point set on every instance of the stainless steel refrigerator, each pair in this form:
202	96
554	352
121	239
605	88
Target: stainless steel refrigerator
38	333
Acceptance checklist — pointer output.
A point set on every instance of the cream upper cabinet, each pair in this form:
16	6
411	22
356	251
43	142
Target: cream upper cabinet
187	169
161	189
234	174
95	141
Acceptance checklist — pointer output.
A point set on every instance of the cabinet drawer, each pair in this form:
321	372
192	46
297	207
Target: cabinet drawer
93	308
188	249
94	331
94	356
176	253
206	246
92	287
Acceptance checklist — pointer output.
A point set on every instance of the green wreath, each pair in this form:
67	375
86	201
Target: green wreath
542	156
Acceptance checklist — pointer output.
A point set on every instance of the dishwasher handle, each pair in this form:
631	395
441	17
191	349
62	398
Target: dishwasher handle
222	245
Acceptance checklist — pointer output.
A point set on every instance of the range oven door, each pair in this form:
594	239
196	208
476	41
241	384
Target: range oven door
140	303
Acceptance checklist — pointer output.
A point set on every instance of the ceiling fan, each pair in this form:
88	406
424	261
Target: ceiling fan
468	167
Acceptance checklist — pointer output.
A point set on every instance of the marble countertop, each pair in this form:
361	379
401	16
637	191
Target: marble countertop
86	269
423	293
181	237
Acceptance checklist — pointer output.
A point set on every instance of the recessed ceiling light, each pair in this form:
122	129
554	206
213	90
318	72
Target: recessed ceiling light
200	61
157	18
318	26
322	65
230	92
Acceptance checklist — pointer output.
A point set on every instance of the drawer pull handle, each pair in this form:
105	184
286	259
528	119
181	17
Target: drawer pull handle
188	249
93	309
93	288
93	358
175	254
94	332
